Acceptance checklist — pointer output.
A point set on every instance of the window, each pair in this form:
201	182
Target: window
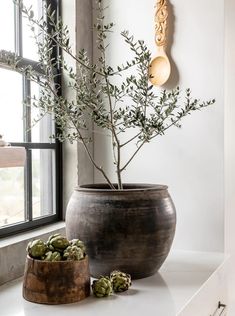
29	196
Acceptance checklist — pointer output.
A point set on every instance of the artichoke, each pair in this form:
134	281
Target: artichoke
102	287
78	243
57	243
120	281
36	248
52	237
52	256
73	253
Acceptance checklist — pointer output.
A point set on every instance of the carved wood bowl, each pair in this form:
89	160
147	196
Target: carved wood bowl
59	282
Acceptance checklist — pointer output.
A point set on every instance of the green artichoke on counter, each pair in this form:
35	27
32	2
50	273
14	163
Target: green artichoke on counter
102	287
57	242
120	281
36	248
73	253
52	256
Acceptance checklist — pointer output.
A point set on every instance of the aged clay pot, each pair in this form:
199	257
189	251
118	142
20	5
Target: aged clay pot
131	229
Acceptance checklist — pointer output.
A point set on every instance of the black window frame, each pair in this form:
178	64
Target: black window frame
29	222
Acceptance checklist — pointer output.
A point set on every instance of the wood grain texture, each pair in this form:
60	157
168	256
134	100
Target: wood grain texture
131	230
161	23
160	68
59	282
12	157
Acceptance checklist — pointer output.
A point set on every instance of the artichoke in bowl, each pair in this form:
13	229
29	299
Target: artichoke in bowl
73	253
52	256
36	248
57	243
78	243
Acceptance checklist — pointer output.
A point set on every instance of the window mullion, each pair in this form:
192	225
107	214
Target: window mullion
27	110
18	31
28	139
28	186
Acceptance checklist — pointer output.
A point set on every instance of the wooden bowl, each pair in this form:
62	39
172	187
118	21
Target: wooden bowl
59	282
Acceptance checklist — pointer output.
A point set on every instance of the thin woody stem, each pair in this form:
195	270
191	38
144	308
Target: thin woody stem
114	135
93	161
132	157
82	140
130	140
115	140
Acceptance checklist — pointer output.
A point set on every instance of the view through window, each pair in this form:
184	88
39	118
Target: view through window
29	196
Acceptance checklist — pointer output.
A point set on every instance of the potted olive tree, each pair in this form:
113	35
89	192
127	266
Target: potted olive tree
124	226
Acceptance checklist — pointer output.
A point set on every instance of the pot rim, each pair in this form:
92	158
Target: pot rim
128	187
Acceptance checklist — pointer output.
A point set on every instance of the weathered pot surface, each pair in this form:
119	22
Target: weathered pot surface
58	282
131	229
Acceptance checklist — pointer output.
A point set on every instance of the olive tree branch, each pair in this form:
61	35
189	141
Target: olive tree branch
133	156
53	36
101	46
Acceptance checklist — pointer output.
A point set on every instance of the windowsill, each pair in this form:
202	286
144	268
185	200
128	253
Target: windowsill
34	233
12	250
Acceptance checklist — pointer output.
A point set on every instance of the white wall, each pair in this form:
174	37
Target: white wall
229	127
189	160
77	169
69	151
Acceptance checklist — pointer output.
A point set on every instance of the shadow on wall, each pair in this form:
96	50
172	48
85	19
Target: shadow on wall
173	81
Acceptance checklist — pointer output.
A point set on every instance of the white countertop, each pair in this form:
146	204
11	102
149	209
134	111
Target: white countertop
163	294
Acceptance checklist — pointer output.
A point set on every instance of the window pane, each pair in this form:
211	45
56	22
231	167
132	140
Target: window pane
29	45
43	186
44	128
26	194
11	108
7	25
11	195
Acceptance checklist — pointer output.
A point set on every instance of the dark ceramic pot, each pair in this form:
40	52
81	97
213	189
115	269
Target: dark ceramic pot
131	230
